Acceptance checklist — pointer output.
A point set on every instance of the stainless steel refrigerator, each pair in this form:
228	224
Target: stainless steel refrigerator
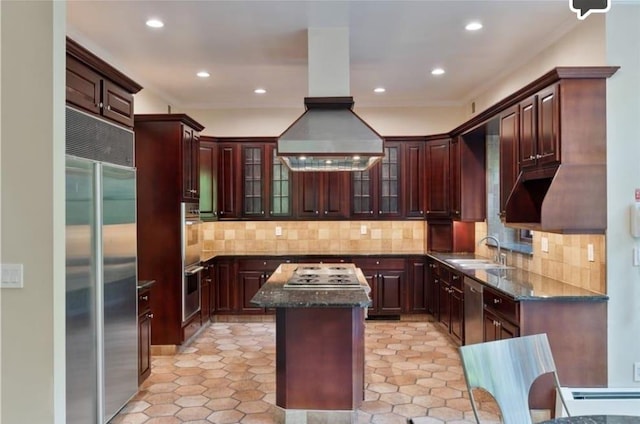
101	277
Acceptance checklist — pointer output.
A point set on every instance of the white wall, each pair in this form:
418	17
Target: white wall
584	45
32	222
623	177
273	121
147	101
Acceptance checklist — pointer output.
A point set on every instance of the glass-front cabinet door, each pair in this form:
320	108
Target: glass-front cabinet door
280	186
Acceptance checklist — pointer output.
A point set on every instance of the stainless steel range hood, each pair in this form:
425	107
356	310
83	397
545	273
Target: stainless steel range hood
329	136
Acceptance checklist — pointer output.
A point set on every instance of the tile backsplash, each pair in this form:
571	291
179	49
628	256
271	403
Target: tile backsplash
566	259
315	237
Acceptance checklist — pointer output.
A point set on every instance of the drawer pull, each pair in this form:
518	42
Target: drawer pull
145	297
149	316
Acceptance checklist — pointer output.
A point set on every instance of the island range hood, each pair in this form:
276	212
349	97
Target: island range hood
329	136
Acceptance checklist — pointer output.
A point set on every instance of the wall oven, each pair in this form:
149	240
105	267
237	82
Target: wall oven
191	268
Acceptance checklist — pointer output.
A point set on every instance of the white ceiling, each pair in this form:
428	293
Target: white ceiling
250	44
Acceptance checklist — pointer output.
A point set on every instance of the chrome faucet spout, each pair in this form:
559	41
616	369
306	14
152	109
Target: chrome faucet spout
498	257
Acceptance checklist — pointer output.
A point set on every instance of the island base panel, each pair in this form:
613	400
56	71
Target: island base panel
320	358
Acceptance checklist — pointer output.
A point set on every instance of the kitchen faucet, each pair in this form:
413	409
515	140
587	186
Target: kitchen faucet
498	257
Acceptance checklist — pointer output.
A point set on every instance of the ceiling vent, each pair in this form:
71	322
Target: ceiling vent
329	136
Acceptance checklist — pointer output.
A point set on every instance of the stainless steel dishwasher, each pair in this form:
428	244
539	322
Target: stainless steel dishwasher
473	325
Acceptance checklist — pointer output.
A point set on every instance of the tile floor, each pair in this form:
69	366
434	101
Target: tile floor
227	375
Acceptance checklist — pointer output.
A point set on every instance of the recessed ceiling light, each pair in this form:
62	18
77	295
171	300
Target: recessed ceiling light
155	23
473	26
379	90
328	161
356	158
302	158
437	71
203	74
259	91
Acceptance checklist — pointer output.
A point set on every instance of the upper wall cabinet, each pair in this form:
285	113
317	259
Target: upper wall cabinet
251	182
438	178
208	178
377	192
556	126
467	169
168	150
96	87
321	194
266	182
539	143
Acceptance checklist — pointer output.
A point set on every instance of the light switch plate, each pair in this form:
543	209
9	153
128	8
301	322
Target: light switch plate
590	255
544	244
11	276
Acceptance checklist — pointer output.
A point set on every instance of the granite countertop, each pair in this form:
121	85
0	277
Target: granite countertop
518	283
274	295
596	419
145	284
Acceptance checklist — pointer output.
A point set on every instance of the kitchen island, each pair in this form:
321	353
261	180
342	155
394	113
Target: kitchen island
319	344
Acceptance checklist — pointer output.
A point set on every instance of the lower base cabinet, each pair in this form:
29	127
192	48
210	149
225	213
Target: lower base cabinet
144	335
387	280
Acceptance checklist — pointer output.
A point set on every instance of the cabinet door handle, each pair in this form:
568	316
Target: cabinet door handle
421	212
371	212
149	316
145	297
497	301
326	212
316	212
108	107
379	212
538	156
101	105
261	212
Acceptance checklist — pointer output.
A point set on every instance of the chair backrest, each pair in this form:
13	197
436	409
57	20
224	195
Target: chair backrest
507	369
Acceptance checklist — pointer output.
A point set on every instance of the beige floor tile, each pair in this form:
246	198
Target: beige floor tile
227	375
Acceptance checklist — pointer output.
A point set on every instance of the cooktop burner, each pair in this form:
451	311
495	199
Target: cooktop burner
319	277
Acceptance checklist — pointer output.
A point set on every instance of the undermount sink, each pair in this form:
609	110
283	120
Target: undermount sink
477	264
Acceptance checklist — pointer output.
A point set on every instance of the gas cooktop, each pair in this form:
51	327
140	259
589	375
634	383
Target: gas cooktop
323	277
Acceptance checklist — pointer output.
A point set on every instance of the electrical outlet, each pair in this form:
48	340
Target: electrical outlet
363	229
278	231
544	244
636	371
590	257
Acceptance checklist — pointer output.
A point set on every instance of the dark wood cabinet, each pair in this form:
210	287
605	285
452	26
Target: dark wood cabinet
266	182
254	183
415	168
205	293
468	176
229	185
97	88
144	334
432	288
417	293
322	194
438	179
208	178
509	142
253	274
539	129
501	316
387	279
160	191
190	169
225	282
451	303
377	192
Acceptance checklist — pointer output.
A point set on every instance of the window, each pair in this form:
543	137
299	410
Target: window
514	239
